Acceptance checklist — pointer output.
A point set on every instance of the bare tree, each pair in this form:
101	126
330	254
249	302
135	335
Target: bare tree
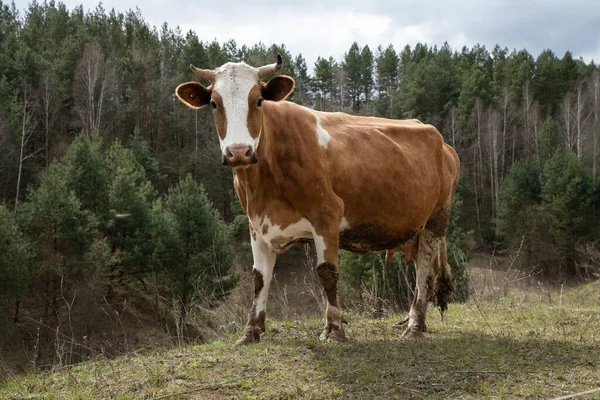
531	121
493	133
451	130
594	95
573	118
341	80
507	116
476	126
27	129
50	107
567	120
94	81
581	117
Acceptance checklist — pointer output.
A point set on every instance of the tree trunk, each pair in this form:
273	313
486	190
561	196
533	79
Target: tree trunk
595	88
17	307
26	131
182	314
196	143
579	117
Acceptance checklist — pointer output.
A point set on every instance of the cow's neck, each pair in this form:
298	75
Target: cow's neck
257	175
268	172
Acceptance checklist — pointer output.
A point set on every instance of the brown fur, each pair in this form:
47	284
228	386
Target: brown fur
443	286
328	275
258	281
296	178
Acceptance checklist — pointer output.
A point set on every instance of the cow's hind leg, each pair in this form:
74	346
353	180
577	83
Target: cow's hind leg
431	238
327	270
264	261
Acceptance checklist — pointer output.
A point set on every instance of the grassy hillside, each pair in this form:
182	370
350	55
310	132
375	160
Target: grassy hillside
530	345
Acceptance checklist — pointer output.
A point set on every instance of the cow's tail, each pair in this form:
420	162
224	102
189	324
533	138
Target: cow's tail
443	279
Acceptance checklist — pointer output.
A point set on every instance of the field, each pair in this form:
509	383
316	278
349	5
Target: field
526	345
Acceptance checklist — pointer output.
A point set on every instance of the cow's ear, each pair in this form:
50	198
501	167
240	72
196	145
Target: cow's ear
193	94
278	88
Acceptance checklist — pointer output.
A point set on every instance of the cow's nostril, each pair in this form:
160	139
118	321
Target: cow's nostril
229	153
249	152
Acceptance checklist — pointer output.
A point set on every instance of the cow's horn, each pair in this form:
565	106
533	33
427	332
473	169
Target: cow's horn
207	74
271	68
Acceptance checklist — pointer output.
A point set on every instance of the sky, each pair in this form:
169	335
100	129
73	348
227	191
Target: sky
328	28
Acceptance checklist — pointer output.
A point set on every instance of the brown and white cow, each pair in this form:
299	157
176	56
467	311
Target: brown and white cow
356	183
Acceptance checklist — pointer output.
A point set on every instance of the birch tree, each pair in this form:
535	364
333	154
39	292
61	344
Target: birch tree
27	129
94	80
594	95
50	107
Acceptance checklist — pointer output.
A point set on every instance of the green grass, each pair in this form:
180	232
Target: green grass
508	349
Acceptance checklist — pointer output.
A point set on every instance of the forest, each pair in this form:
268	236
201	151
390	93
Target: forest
110	187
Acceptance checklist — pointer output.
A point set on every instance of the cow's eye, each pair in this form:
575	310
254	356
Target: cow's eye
260	100
213	104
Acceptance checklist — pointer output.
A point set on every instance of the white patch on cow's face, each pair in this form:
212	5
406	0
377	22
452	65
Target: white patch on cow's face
233	83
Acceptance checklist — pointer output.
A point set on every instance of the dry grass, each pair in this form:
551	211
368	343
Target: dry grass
521	346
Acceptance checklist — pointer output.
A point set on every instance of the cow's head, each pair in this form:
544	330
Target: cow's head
236	94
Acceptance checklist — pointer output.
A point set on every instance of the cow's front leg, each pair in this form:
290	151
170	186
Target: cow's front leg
264	261
327	270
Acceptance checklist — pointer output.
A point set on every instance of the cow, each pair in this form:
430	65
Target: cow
357	183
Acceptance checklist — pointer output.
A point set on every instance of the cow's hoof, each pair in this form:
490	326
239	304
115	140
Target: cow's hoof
333	334
412	332
250	335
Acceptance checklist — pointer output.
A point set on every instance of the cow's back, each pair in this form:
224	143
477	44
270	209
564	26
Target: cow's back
391	174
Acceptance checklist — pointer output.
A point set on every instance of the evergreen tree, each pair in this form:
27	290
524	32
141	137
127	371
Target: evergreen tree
387	79
60	231
85	174
353	68
547	84
15	261
323	83
130	197
366	72
143	155
192	247
567	189
301	91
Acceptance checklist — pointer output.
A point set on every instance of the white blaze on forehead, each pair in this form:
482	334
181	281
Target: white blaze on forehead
234	82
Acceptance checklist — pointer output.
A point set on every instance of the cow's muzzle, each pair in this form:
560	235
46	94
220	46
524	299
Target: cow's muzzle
238	155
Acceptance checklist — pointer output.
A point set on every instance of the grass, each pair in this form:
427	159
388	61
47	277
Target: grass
509	349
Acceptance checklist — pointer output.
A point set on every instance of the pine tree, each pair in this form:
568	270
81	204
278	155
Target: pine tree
352	67
192	247
130	197
366	73
15	263
85	174
387	79
323	84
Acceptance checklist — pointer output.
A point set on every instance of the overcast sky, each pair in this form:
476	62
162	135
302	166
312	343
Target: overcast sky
323	28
